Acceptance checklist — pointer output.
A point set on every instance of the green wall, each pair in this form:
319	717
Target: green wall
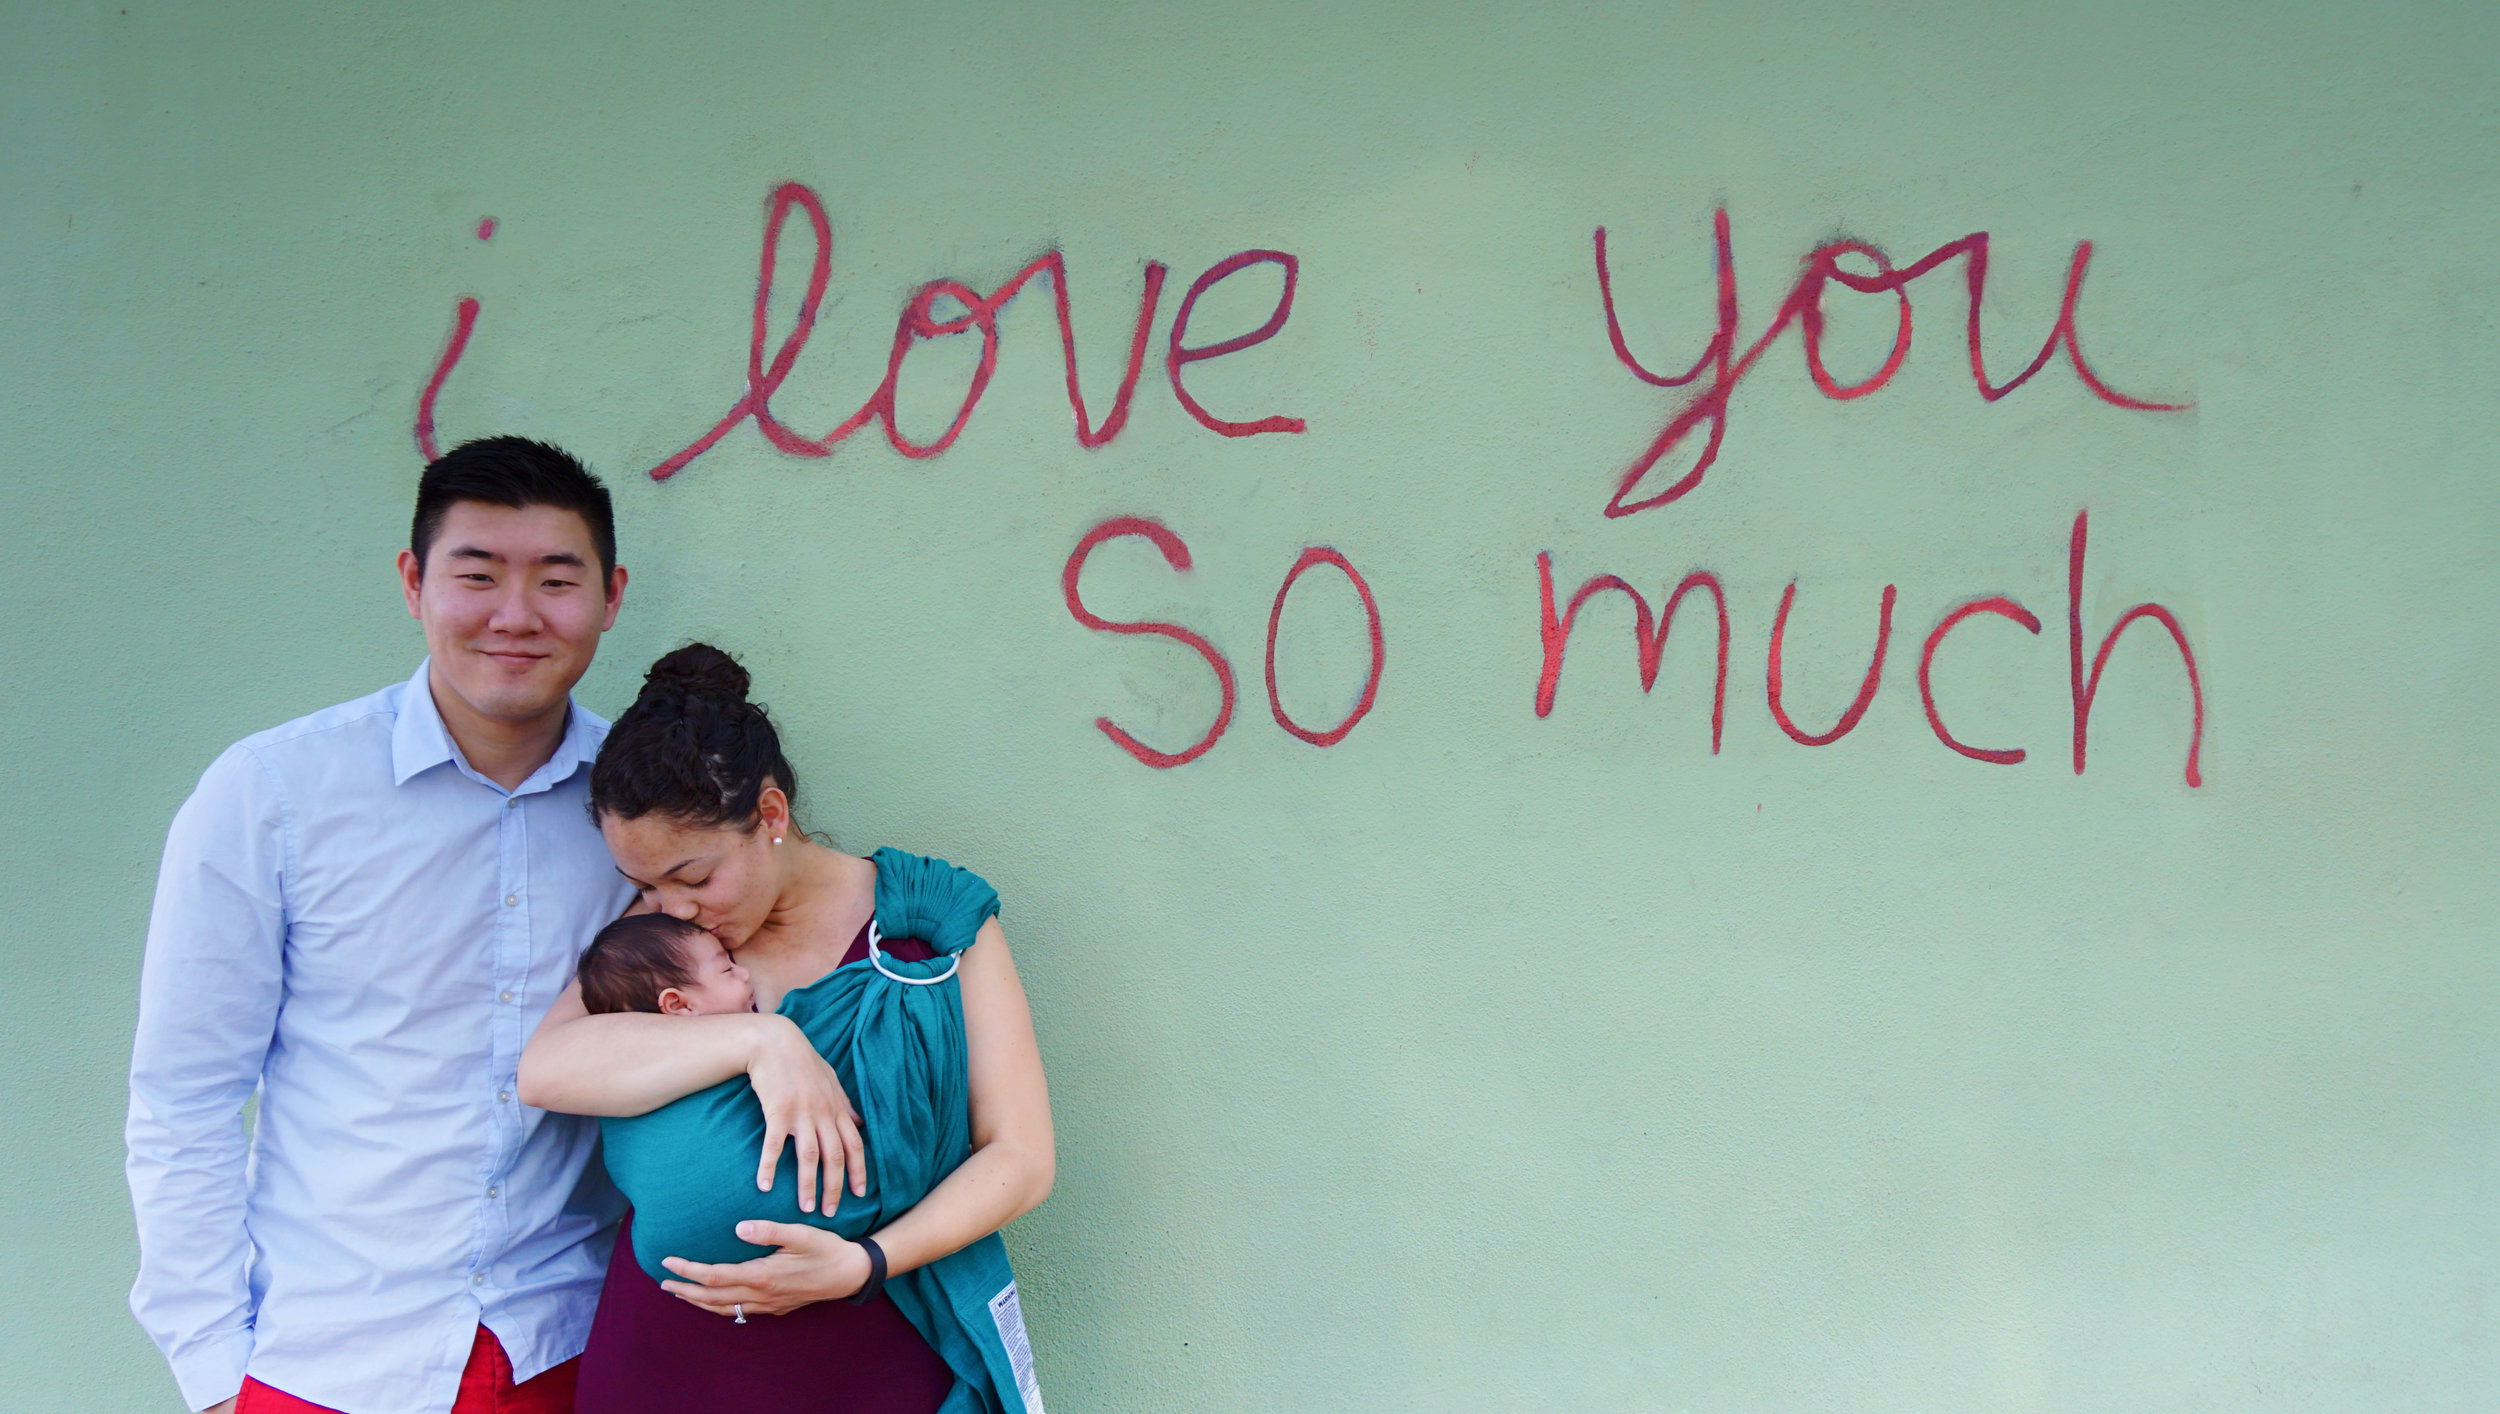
1483	1060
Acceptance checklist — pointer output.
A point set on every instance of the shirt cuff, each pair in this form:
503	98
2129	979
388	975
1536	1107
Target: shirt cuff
212	1369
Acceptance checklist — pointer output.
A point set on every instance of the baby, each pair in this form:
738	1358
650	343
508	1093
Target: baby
652	962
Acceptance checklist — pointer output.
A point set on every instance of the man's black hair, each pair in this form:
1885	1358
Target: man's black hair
515	472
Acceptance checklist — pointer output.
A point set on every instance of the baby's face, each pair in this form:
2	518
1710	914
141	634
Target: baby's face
718	984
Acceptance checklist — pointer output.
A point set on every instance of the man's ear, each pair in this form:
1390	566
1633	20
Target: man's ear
411	572
673	1003
616	596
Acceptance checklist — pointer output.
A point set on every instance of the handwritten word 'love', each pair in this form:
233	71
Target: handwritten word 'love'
920	322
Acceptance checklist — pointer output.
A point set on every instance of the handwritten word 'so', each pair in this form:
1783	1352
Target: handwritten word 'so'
1176	554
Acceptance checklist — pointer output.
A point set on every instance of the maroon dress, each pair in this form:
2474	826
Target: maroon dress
651	1353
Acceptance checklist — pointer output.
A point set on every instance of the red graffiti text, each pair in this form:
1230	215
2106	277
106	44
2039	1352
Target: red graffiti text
921	321
1803	307
1650	636
1176	554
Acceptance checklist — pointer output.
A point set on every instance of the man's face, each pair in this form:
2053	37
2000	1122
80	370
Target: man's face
512	606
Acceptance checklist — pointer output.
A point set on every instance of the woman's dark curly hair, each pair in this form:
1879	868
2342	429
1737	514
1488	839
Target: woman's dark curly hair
692	747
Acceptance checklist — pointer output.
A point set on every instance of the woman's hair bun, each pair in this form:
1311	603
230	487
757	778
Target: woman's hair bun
699	670
692	747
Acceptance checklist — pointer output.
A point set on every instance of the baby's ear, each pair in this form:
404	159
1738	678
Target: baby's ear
673	1003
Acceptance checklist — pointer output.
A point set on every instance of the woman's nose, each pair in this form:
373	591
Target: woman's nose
679	907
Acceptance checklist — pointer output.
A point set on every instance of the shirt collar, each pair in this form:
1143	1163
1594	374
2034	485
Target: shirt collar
420	741
583	733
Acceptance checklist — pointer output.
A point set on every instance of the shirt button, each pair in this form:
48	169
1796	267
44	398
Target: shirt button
503	1097
494	1192
512	803
477	1278
506	997
512	900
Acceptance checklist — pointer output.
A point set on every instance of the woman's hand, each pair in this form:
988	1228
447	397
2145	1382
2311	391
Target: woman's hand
803	1100
813	1265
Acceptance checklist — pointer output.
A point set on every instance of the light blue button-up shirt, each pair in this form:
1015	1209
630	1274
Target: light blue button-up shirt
352	920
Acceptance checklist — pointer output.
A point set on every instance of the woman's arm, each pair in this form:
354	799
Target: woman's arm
1014	1161
630	1063
1014	1158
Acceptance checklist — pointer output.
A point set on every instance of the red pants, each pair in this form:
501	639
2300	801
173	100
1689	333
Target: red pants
486	1387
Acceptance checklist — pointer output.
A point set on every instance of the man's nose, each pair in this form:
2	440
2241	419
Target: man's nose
515	612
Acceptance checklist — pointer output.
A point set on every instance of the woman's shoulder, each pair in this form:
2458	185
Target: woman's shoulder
922	896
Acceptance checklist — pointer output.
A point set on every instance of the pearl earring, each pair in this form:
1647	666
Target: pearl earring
776	839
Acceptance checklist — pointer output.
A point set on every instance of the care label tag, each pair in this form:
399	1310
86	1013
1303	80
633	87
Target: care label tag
1008	1313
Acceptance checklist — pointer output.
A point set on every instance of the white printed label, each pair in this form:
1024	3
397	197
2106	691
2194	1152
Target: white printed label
1008	1313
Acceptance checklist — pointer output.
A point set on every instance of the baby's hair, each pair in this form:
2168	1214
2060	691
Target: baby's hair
633	960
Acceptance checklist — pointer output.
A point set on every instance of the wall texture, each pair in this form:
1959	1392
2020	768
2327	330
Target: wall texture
1483	1059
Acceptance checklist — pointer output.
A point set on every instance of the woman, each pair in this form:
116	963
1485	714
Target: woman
695	799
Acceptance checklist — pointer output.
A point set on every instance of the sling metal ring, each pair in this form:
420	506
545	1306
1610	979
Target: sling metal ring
877	961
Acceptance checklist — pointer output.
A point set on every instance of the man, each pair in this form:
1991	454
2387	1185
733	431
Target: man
363	914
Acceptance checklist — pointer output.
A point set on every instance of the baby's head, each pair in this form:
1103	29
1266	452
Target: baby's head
652	962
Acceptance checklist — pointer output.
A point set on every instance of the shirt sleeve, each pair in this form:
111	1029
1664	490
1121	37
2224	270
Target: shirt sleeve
208	1006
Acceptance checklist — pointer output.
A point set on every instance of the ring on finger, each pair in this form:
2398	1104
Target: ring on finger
738	1310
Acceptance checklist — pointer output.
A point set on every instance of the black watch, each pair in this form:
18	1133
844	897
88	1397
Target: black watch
876	1273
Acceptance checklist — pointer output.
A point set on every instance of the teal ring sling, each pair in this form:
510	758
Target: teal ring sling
894	1033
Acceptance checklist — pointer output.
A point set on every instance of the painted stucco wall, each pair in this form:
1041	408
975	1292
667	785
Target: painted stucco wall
1482	1060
